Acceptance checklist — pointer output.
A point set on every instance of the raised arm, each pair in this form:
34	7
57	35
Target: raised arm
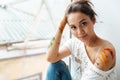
54	54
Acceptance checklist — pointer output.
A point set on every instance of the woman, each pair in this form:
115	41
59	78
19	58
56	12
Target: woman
93	58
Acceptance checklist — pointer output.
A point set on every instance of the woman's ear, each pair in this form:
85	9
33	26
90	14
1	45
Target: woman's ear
94	20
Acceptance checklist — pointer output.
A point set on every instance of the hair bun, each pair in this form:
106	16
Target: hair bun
81	1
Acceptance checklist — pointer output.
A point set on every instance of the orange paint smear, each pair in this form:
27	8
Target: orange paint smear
108	49
101	60
104	57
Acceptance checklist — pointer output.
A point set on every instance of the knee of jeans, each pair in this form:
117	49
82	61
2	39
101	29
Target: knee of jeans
58	65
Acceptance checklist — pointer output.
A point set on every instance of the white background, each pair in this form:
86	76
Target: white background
108	24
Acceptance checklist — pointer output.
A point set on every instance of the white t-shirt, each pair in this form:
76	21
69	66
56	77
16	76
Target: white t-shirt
81	66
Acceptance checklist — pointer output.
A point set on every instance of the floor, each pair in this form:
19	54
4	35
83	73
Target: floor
17	68
44	66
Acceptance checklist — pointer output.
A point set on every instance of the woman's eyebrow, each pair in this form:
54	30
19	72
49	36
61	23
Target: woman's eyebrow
70	24
79	22
82	20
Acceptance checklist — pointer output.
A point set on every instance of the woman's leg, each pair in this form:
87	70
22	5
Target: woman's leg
58	71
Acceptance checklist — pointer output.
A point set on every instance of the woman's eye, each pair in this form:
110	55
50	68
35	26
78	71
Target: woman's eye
73	27
83	24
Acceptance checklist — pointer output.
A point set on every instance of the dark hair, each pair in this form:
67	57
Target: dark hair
83	6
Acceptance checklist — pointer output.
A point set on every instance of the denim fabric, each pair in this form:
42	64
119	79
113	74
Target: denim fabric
58	71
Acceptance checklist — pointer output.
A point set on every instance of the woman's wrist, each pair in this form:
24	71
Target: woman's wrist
62	24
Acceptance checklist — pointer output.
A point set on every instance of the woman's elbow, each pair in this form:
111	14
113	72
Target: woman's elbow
51	59
48	59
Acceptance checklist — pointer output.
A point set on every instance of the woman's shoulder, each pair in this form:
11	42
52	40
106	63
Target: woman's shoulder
106	58
73	44
110	46
107	44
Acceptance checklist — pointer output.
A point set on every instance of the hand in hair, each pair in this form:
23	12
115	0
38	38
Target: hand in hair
63	23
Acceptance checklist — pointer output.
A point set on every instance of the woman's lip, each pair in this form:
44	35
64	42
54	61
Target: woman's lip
83	36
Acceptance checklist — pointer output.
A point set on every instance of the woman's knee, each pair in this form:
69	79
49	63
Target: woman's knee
58	70
58	65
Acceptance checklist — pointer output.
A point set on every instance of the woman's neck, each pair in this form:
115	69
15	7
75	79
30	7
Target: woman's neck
93	42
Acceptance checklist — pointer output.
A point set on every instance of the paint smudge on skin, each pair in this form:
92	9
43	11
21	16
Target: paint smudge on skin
51	42
103	57
108	49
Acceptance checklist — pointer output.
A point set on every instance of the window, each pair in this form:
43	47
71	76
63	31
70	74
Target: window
26	26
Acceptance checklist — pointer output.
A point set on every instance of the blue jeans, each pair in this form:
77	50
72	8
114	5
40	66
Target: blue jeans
58	71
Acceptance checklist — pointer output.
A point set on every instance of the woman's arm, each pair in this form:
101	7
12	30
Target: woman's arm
54	54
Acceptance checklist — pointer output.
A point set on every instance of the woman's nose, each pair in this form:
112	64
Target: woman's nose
80	31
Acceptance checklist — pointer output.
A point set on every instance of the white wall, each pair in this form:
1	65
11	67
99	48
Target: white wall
108	23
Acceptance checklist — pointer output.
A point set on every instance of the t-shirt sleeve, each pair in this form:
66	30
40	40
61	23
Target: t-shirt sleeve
72	44
68	44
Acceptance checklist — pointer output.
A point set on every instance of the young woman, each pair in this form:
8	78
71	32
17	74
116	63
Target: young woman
93	58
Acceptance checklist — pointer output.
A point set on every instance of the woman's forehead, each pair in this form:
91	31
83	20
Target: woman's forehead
76	16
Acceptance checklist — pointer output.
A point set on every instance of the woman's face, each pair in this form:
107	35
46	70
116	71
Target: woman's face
81	26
